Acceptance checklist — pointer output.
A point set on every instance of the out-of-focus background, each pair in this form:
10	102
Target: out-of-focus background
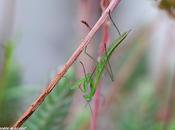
38	37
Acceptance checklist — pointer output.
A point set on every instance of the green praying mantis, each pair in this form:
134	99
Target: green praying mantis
91	81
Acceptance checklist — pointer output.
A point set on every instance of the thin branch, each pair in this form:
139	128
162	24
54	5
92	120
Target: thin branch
68	64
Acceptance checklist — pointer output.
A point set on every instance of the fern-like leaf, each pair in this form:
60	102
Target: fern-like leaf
52	113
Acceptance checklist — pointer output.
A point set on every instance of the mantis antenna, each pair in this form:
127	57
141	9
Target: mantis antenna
110	17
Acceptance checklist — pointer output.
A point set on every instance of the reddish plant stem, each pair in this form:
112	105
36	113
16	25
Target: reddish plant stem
102	45
96	108
65	68
105	38
102	49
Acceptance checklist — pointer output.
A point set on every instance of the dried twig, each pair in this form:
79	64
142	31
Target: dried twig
65	68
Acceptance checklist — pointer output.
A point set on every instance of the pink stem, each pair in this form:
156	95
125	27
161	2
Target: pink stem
105	38
102	49
96	108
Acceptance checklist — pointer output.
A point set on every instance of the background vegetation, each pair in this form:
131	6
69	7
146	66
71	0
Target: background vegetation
141	96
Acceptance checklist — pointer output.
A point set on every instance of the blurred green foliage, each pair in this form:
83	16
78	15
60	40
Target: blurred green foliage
52	113
10	78
137	106
137	75
81	121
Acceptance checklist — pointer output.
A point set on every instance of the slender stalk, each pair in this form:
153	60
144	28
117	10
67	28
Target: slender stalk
65	68
105	39
96	108
102	48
